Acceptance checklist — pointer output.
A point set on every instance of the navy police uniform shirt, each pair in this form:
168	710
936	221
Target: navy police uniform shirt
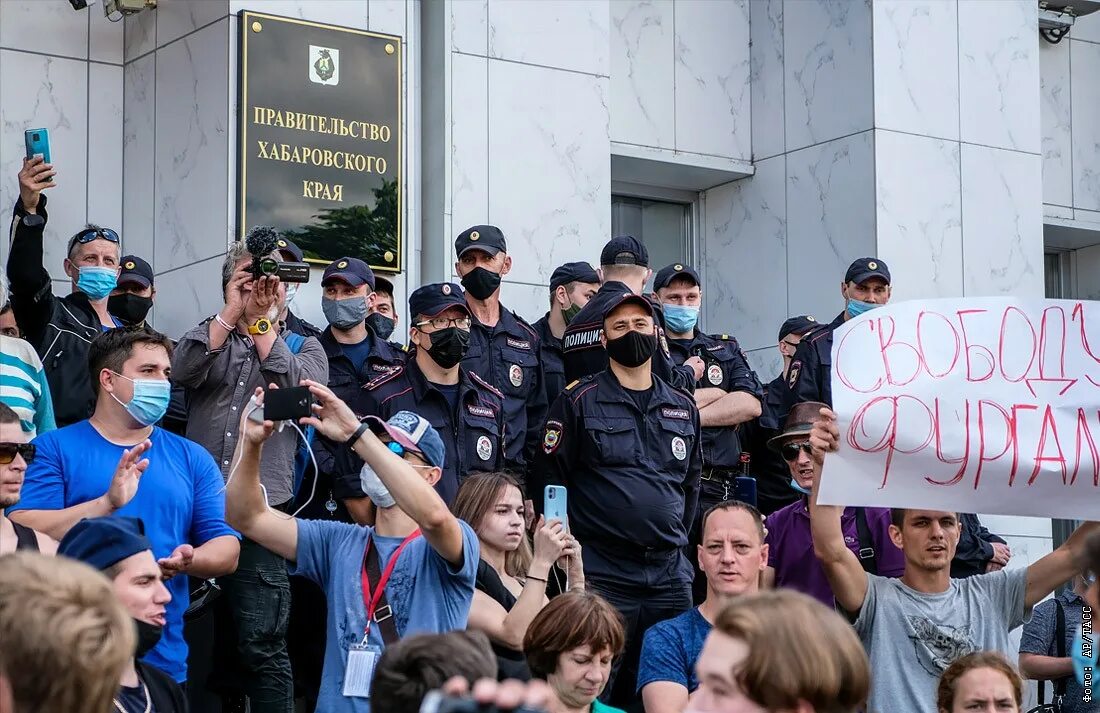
632	477
810	375
472	437
550	360
725	368
584	355
507	356
336	463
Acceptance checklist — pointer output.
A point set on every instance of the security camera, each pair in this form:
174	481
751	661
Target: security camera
125	7
1057	16
81	4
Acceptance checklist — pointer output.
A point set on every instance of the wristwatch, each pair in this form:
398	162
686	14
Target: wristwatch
260	326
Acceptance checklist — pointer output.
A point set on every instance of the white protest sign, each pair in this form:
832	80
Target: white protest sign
971	404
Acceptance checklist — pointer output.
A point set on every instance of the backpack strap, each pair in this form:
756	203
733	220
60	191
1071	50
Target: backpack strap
1060	648
866	554
294	341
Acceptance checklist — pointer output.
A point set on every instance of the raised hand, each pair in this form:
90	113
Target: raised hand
252	431
331	417
35	177
550	541
124	484
264	296
178	562
825	436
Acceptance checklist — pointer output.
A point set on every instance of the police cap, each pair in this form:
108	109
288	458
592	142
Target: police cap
624	250
667	274
865	268
135	270
797	325
351	270
487	238
573	272
436	298
287	247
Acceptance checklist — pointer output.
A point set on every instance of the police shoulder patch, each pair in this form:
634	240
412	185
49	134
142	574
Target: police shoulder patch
379	380
793	372
678	413
551	437
571	384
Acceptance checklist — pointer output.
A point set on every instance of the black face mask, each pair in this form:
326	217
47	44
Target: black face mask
380	324
632	349
481	283
130	309
148	636
448	346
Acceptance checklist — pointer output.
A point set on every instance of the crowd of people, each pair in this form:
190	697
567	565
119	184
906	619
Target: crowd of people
393	547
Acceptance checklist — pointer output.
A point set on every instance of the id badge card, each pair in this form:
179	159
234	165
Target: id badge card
359	672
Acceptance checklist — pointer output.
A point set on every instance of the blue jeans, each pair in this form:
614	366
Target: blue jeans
258	595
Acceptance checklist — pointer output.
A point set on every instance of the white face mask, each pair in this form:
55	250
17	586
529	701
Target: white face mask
291	293
374	488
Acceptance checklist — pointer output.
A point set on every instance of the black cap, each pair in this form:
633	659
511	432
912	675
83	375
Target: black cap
351	270
630	297
434	299
865	268
382	284
797	325
285	246
104	541
624	250
481	237
573	272
134	269
670	273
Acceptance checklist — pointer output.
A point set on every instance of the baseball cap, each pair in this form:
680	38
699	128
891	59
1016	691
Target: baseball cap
351	270
286	246
865	268
624	250
670	273
573	272
797	325
412	432
431	300
104	541
382	284
136	270
630	297
481	237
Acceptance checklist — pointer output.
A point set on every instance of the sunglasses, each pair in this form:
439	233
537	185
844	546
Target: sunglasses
8	451
94	234
790	451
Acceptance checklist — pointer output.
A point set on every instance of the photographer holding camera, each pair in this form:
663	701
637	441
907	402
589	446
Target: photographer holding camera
221	362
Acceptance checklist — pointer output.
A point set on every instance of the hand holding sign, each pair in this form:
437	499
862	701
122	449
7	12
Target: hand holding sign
979	405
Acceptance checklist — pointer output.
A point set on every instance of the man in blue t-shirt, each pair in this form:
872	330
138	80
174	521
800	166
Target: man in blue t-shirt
732	555
423	559
93	468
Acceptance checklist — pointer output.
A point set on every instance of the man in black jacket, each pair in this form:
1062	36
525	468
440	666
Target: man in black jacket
979	550
60	328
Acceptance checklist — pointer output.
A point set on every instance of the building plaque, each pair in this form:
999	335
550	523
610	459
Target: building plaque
319	147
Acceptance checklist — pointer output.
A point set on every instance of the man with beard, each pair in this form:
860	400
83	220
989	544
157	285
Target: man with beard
221	362
117	546
571	286
463	407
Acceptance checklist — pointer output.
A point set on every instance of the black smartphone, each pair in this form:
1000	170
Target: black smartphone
288	404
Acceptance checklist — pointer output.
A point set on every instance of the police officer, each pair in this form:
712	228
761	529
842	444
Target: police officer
626	445
290	252
728	395
356	355
504	349
773	476
133	296
383	318
467	411
624	270
866	286
571	286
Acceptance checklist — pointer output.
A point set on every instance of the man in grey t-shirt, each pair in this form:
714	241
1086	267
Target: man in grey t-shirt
915	626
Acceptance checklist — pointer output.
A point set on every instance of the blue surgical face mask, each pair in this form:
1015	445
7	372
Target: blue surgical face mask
150	401
799	488
680	319
858	307
97	282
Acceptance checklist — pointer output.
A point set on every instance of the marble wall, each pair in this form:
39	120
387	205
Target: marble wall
66	75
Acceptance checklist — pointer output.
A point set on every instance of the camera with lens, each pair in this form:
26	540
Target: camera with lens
285	271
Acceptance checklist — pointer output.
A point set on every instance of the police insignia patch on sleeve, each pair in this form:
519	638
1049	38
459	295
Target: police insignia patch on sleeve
552	438
792	374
